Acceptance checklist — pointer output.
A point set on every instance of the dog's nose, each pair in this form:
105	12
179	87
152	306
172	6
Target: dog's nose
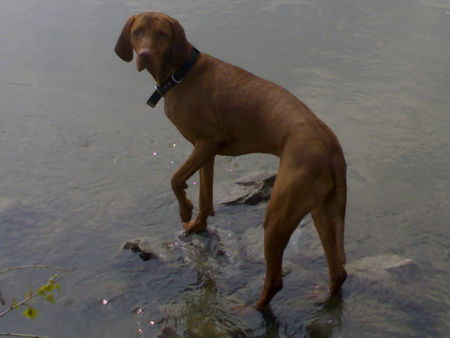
145	53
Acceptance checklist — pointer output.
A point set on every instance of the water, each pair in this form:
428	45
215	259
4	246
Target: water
85	166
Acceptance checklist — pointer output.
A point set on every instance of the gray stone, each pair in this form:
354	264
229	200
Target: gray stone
154	248
381	267
143	246
250	189
181	250
253	244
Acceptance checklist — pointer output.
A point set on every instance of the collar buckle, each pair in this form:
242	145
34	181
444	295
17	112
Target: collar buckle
157	90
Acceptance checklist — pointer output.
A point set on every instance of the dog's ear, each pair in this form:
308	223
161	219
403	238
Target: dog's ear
123	46
180	46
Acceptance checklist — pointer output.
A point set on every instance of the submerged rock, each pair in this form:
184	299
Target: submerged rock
250	189
168	332
181	250
143	246
154	248
253	244
381	267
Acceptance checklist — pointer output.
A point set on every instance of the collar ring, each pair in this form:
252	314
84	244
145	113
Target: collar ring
175	80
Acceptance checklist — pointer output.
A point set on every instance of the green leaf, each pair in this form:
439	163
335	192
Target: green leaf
46	288
50	298
42	290
30	312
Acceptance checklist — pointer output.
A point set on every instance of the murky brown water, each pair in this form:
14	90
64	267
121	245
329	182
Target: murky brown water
85	166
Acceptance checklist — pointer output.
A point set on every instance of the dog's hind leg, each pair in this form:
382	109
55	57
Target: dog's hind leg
329	221
206	191
289	203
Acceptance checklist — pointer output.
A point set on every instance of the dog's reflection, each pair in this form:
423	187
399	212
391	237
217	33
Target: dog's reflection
205	310
324	321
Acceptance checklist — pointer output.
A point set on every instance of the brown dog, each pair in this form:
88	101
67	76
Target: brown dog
224	110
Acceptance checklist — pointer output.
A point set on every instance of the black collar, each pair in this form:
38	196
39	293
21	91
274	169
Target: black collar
174	79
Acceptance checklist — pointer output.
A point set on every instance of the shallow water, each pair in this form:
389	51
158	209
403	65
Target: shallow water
85	166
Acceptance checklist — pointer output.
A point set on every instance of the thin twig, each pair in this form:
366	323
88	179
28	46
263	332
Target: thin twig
15	306
25	300
19	267
10	334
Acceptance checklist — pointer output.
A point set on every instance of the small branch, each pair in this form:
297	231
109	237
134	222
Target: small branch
19	267
10	334
28	298
22	302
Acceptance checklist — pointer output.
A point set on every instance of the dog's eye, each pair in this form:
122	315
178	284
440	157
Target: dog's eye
161	34
137	33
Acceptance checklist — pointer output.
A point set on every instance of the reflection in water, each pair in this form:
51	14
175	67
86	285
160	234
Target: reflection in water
328	318
205	310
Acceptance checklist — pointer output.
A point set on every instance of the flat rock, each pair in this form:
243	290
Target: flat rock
179	251
253	244
155	248
250	189
143	246
380	267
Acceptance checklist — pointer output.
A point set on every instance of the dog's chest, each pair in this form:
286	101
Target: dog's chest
176	115
181	120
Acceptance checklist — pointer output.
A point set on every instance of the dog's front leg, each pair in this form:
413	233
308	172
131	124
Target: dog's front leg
205	200
201	157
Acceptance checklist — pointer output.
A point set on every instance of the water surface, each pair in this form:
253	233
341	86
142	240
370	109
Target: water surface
86	165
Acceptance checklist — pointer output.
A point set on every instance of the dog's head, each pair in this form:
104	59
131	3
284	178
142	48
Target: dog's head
158	40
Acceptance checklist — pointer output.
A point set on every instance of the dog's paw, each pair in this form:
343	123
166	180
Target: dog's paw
194	227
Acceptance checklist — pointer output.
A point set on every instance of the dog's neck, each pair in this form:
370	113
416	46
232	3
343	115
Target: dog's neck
173	78
162	73
168	67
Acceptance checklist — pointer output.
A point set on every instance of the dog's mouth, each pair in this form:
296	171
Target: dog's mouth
146	60
151	64
142	63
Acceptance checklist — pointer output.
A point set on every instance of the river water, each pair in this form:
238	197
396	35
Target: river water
86	165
